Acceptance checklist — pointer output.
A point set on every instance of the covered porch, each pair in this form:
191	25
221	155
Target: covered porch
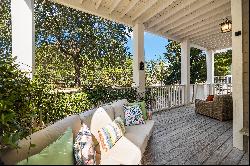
193	23
181	137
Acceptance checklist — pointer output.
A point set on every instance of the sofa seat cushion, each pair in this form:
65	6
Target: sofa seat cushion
139	134
123	152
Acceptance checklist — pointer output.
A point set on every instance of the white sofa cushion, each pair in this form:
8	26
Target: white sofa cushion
139	134
101	117
118	108
123	152
87	116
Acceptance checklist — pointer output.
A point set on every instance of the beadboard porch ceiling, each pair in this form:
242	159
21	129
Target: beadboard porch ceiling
196	20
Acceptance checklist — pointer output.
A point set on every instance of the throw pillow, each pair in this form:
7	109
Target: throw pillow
143	108
111	133
84	147
59	152
133	115
120	124
210	97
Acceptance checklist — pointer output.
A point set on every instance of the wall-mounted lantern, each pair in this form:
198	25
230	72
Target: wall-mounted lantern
141	65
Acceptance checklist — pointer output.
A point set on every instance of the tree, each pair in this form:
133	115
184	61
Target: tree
197	64
5	29
222	63
80	37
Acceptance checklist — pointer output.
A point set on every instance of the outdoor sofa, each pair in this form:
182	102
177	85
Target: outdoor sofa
127	150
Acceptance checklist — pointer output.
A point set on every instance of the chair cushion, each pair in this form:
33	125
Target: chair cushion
210	98
133	115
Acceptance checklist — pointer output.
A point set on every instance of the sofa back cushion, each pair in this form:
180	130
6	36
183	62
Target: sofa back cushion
41	139
101	117
118	108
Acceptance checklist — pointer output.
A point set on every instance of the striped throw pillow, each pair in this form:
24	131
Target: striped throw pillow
111	133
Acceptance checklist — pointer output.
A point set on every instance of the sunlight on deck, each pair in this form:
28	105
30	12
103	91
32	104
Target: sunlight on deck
181	136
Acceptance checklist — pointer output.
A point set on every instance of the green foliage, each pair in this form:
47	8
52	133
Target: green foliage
15	98
197	64
156	70
222	63
79	38
5	28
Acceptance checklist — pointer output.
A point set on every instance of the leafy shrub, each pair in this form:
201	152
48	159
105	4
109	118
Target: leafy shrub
15	95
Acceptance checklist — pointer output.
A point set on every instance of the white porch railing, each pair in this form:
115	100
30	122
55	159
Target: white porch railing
164	97
169	96
201	91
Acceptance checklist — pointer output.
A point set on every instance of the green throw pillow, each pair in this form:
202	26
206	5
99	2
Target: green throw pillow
143	108
59	152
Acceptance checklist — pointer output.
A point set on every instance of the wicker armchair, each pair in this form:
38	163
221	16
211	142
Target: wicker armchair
220	108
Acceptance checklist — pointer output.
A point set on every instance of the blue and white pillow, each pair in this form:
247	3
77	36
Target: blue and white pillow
84	147
133	115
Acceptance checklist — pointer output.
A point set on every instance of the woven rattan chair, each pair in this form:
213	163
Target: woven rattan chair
220	108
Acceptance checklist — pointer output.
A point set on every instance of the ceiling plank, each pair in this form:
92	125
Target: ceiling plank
185	12
82	1
200	26
98	3
161	5
216	6
148	6
89	7
205	17
214	38
171	12
130	6
114	5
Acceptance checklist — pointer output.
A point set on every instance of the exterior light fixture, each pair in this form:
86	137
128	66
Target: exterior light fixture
226	26
141	65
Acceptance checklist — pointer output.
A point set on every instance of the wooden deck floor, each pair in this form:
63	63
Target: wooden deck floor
182	137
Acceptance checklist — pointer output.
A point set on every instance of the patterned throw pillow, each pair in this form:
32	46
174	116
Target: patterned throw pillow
133	115
111	133
120	123
84	147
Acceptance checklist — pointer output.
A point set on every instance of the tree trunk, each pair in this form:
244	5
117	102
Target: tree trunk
77	76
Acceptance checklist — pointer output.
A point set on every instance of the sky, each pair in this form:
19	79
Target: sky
154	46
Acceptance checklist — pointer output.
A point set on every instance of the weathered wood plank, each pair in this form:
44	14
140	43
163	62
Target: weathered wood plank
202	154
233	158
202	141
220	154
179	146
182	137
244	160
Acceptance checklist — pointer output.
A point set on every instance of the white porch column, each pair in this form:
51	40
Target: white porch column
237	73
138	45
23	34
185	68
210	70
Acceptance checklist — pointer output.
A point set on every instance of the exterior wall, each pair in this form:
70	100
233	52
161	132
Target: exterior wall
245	47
